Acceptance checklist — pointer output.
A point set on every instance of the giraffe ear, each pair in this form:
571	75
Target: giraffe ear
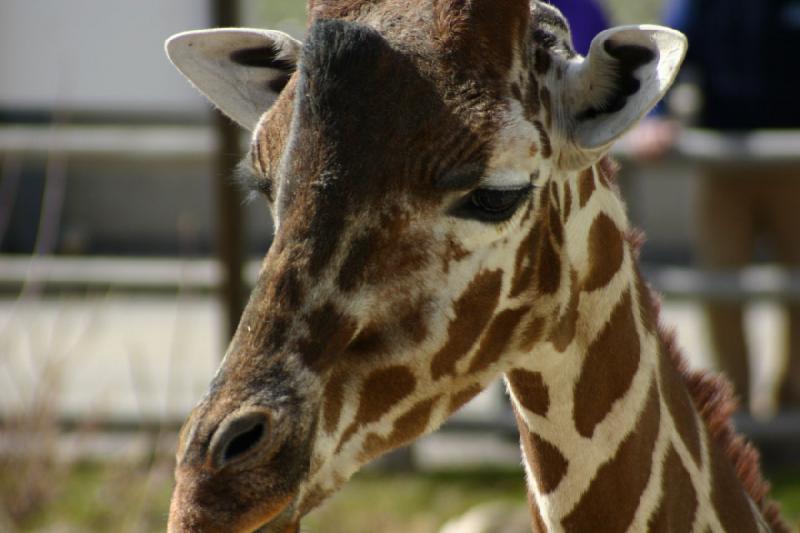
628	70
240	70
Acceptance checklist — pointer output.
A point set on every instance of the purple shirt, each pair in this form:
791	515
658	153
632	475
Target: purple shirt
586	20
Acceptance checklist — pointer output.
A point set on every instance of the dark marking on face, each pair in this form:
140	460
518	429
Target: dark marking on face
544	139
334	400
381	390
608	370
548	273
542	61
371	340
544	38
614	494
531	333
586	187
497	339
455	253
525	262
348	76
289	290
530	390
556	227
357	260
606	253
533	103
567	211
472	310
406	428
678	506
413	321
564	331
330	332
482	29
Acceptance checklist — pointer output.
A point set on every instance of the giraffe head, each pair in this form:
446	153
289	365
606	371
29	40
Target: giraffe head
408	154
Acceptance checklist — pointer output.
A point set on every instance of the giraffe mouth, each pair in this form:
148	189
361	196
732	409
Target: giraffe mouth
284	520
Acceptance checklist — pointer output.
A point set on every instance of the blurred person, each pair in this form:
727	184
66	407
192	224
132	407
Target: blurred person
586	19
743	54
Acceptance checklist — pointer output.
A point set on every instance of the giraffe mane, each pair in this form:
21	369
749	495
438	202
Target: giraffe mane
714	398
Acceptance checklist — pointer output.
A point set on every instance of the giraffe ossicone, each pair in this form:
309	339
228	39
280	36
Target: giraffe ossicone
445	214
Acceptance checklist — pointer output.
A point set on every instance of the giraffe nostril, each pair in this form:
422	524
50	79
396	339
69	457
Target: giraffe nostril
238	436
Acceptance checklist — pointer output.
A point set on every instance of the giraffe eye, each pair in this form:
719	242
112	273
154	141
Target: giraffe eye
492	205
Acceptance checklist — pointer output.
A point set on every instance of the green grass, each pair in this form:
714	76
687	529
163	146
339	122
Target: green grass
413	503
128	498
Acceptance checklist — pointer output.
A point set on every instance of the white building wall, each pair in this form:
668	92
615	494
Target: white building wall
95	55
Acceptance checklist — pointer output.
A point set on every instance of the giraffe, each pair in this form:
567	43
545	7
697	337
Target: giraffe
446	214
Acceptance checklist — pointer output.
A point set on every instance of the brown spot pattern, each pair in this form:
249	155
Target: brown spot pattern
413	321
547	463
647	304
608	370
543	61
727	495
567	202
391	251
680	407
606	252
530	390
564	331
544	138
459	399
615	491
334	399
678	498
531	333
370	340
556	227
473	310
410	425
524	267
497	339
533	104
549	271
381	390
331	331
585	187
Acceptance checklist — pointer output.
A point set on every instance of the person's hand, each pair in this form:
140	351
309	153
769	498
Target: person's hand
652	139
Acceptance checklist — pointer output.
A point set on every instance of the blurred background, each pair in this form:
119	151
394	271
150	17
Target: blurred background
121	235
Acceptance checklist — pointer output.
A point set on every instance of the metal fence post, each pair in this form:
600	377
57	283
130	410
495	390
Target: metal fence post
230	252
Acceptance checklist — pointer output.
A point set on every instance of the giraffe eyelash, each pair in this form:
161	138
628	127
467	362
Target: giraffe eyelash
251	183
492	206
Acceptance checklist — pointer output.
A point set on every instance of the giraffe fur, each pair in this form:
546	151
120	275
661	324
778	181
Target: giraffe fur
445	215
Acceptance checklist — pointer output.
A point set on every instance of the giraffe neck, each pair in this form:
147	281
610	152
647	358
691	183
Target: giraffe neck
609	432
